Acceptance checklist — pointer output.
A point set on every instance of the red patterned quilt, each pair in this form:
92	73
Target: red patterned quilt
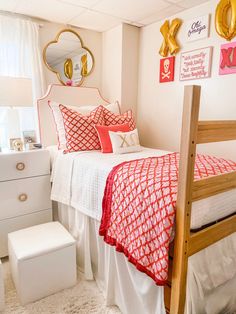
139	208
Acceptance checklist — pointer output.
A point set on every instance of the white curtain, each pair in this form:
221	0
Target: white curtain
20	55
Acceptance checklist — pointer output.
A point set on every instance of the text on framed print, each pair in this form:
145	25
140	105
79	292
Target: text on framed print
195	64
198	28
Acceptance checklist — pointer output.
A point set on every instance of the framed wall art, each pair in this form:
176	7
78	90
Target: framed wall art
227	59
198	28
29	136
167	70
196	64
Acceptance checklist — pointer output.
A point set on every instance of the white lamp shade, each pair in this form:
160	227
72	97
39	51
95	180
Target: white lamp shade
15	92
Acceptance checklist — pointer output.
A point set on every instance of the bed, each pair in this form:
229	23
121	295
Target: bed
120	282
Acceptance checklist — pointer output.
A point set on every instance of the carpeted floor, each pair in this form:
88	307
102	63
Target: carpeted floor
82	299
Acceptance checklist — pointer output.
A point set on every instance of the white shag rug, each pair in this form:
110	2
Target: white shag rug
84	298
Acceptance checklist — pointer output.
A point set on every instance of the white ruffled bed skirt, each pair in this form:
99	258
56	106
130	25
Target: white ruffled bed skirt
134	292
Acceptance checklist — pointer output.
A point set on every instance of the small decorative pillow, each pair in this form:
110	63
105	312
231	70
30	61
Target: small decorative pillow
125	142
113	119
113	107
103	134
79	129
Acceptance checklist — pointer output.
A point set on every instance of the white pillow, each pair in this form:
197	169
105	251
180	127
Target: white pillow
125	142
113	107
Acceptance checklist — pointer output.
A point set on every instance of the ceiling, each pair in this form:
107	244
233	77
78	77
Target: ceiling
99	15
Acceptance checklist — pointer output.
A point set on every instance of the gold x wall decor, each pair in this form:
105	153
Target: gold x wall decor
169	32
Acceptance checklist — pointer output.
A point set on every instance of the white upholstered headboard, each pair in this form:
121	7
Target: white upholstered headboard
67	95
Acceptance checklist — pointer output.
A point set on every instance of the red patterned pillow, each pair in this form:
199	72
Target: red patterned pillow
79	129
113	119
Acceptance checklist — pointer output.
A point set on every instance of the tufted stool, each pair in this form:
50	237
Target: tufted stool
43	260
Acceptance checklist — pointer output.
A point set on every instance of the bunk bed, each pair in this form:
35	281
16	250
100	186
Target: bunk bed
194	132
186	243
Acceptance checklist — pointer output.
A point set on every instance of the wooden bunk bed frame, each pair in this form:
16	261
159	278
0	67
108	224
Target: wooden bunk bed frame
193	132
187	243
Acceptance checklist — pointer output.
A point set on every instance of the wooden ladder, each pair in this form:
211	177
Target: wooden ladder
186	243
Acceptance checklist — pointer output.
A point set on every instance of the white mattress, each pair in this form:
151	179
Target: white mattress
79	180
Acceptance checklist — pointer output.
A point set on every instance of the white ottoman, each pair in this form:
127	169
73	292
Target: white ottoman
2	297
43	260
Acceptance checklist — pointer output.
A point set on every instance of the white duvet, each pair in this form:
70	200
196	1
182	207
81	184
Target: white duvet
79	180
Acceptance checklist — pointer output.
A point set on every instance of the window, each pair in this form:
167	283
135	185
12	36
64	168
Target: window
20	56
3	128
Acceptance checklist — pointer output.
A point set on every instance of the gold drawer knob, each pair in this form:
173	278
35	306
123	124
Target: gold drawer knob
22	197
20	166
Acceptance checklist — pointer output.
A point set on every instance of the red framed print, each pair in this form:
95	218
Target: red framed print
167	70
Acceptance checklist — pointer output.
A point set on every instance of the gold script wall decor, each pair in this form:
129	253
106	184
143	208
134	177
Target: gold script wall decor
224	28
68	58
169	32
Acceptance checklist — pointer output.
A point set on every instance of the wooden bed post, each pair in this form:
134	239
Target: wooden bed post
184	197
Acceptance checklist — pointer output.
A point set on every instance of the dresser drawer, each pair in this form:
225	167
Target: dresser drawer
24	164
21	222
24	196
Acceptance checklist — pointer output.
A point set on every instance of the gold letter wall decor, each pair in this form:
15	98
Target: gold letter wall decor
169	32
223	28
68	68
84	62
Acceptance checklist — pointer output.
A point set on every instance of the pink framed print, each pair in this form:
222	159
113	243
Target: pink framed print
227	59
195	64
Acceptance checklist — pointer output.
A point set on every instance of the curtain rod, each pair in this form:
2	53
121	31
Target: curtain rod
21	16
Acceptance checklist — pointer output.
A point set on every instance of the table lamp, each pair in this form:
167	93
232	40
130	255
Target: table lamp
15	92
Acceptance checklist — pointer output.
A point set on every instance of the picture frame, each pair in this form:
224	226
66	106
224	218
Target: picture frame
167	70
197	28
196	64
29	136
227	59
11	141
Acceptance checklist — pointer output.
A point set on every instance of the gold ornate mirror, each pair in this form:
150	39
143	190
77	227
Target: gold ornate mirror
68	58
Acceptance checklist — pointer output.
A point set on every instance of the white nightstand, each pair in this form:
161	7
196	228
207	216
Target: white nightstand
24	192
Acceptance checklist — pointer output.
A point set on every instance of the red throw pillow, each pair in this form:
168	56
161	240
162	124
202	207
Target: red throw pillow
103	134
79	129
114	119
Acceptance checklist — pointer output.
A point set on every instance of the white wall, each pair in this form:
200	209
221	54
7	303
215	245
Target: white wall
112	63
160	105
130	63
91	39
120	65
